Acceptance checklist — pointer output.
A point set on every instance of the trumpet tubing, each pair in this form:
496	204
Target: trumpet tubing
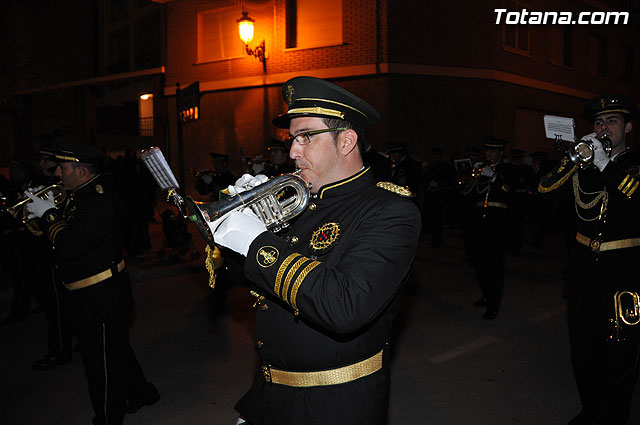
18	210
621	314
275	203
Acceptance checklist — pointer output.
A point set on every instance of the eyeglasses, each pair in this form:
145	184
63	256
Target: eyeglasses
304	138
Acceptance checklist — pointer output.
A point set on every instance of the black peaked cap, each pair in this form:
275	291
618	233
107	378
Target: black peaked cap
313	97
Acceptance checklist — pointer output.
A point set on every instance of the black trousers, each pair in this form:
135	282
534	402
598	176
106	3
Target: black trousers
489	251
112	369
605	372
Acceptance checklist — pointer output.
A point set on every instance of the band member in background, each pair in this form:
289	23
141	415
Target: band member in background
490	196
328	287
211	182
87	236
602	260
45	290
405	170
279	162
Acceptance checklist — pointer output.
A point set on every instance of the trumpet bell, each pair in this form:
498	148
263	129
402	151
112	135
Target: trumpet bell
581	153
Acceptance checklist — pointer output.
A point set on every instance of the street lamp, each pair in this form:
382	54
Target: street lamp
245	30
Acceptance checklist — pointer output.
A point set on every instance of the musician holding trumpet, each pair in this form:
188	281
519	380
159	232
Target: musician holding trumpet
327	285
86	232
603	260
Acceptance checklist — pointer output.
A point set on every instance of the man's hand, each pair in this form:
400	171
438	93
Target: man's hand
600	157
246	182
236	230
37	207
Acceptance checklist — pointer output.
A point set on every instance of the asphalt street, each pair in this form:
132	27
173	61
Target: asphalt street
449	367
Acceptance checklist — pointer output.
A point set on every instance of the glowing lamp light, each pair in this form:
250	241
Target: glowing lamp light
146	96
245	28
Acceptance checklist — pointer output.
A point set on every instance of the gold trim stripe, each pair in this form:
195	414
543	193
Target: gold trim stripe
55	229
623	182
560	182
633	189
301	277
334	102
344	182
66	158
287	281
281	270
336	376
628	186
92	280
316	110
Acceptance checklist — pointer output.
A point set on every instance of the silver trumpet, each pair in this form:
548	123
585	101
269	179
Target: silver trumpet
581	152
275	202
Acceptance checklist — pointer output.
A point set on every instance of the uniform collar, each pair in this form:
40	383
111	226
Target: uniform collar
350	184
86	184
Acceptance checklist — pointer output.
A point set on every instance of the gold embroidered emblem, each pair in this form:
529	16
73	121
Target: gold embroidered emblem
267	256
325	236
289	94
99	189
398	190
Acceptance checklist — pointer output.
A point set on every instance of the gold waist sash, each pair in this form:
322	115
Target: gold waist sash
491	204
324	377
597	245
92	280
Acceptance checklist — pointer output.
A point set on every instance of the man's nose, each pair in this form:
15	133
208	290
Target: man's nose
295	151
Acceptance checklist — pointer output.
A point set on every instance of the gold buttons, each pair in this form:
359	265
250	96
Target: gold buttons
312	206
294	240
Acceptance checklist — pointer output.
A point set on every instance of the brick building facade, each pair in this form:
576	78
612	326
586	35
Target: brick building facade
442	74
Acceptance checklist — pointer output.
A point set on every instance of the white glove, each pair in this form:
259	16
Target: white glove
37	207
247	182
600	157
206	178
487	171
236	230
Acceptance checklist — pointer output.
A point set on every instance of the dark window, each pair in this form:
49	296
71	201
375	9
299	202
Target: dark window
628	63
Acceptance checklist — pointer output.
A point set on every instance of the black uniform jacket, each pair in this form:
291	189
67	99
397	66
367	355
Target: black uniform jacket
87	237
495	192
330	286
620	219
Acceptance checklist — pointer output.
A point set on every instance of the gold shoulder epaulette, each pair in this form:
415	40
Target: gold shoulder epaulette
558	176
398	190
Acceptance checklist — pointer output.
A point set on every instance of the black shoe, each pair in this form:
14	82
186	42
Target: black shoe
490	314
152	397
52	360
481	302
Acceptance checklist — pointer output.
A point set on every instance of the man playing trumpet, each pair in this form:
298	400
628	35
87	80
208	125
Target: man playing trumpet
87	236
602	260
328	284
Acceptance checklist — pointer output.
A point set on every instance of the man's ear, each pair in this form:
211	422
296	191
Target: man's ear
348	142
82	171
628	127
